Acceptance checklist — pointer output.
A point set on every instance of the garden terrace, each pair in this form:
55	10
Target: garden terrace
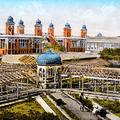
92	72
27	59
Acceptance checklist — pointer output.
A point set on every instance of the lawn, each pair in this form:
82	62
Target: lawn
113	106
24	107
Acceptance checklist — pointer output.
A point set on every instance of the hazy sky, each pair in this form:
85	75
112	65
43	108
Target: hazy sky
98	15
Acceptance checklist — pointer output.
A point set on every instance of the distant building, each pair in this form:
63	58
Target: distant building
20	43
100	42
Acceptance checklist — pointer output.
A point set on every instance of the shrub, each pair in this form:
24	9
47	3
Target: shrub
60	102
102	112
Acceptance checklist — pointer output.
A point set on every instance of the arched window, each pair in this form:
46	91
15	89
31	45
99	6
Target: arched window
40	72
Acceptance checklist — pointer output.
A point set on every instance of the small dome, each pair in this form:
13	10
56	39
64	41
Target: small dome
10	20
49	58
84	27
99	35
21	23
67	25
51	25
38	23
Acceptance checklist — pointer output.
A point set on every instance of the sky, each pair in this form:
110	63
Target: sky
98	15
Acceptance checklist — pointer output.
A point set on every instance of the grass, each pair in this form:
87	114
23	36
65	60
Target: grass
113	106
24	107
52	106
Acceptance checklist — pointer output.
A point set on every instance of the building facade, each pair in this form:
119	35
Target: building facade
20	43
98	43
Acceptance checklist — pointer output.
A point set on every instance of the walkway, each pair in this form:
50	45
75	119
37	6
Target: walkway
59	108
44	105
74	107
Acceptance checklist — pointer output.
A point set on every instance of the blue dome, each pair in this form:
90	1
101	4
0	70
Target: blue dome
21	23
84	27
38	23
10	20
67	25
51	25
99	35
49	58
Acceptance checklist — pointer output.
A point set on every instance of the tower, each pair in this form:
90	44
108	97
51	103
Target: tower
51	29
67	33
20	27
83	32
9	30
38	28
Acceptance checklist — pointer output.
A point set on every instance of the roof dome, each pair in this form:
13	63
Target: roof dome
10	20
84	27
51	25
99	35
38	23
21	22
49	58
67	25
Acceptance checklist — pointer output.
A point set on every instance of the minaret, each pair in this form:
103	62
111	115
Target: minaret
20	27
9	30
51	29
38	28
83	32
67	33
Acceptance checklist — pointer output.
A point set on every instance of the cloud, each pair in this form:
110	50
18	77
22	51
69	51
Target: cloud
104	19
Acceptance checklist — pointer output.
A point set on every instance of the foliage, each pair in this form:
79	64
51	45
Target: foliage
102	112
54	47
111	54
60	102
86	101
113	106
24	107
6	115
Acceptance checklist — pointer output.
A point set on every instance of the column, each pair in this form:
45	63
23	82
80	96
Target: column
102	85
107	88
79	83
71	82
17	90
7	91
115	86
55	78
95	87
61	80
82	84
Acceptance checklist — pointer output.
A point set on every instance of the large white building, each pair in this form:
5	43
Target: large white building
100	42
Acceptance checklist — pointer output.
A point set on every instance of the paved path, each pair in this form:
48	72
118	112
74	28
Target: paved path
44	105
74	107
59	108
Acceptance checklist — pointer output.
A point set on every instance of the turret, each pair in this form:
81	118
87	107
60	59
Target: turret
9	30
51	29
38	28
20	27
83	32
